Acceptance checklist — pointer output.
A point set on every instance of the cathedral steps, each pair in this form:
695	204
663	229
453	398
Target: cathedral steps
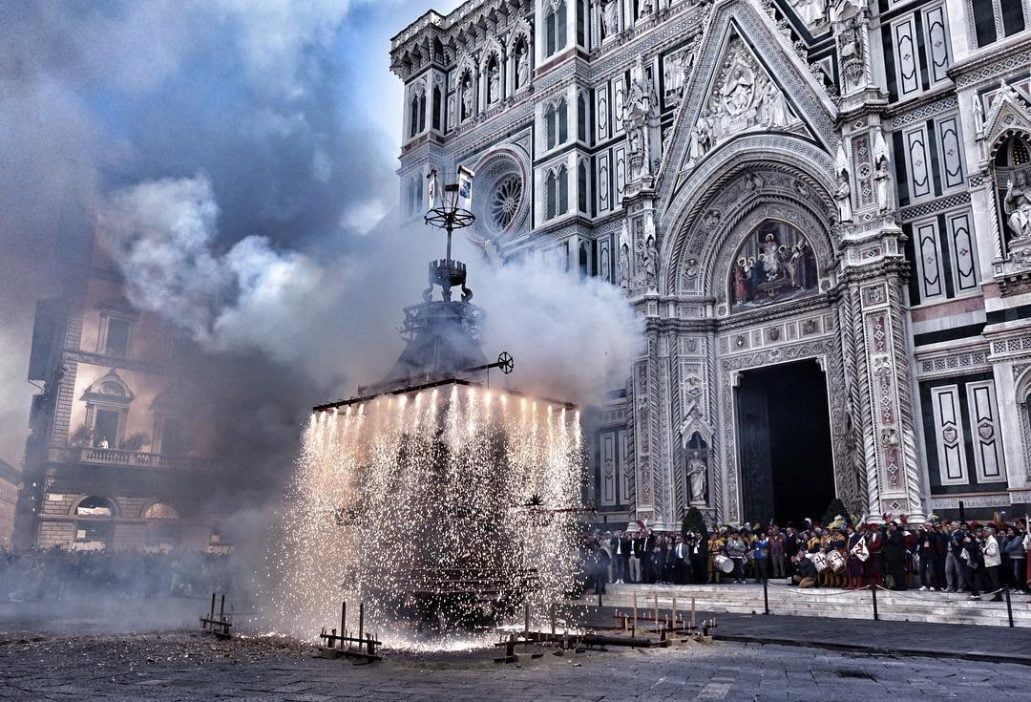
911	605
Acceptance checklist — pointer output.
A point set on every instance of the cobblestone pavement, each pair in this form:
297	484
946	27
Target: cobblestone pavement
184	666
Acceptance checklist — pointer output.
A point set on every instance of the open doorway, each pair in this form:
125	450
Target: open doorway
784	443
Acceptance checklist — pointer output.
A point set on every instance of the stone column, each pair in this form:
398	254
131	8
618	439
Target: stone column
510	69
873	270
648	421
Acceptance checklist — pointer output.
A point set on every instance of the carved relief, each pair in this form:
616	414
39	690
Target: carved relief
743	97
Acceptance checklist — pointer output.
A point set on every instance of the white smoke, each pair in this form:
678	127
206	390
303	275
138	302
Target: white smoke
337	316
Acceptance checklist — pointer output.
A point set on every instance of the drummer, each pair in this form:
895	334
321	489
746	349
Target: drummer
853	563
716	543
837	542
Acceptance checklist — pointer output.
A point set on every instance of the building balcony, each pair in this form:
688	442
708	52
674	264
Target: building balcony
141	459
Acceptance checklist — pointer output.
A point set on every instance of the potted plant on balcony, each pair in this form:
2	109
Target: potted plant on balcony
136	442
83	436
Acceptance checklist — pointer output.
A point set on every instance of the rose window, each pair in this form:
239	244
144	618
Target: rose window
505	201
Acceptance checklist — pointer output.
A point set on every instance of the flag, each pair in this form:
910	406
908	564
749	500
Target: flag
465	188
432	190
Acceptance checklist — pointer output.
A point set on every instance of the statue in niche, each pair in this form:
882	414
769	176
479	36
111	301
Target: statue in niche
650	260
843	197
623	267
810	11
638	109
701	138
883	180
774	108
697	472
610	18
1017	204
467	97
522	65
493	83
647	8
674	71
851	53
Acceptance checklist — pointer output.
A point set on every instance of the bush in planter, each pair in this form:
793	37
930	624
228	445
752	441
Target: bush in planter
83	436
136	442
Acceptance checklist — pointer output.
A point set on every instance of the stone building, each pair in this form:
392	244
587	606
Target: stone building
10	482
822	211
117	455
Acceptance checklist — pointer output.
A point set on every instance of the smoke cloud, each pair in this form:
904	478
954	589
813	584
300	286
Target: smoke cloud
336	317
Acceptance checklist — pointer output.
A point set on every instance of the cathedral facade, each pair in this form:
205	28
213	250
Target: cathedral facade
822	211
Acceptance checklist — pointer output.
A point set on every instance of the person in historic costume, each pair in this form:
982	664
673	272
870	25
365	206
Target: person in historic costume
837	543
857	554
875	547
716	543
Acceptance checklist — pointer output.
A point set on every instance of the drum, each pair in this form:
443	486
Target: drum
723	563
819	560
836	561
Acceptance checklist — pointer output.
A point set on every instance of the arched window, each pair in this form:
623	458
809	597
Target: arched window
555	27
422	112
550	34
581	187
581	23
563	122
561	24
584	260
413	128
94	506
774	264
551	127
581	118
160	510
550	195
93	523
563	190
437	107
1013	188
993	18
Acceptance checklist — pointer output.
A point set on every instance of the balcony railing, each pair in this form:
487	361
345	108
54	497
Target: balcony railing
141	459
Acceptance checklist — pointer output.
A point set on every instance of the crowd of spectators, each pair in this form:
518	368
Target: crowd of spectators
48	574
937	555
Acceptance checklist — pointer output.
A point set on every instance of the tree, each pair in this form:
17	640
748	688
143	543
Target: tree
694	521
835	508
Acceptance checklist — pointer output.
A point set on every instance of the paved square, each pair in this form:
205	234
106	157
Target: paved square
189	666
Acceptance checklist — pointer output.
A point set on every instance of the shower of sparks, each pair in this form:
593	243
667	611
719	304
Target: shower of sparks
443	510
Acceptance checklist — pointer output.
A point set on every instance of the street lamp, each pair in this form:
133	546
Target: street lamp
449	210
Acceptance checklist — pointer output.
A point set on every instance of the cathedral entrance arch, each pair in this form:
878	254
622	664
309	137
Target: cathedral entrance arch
784	442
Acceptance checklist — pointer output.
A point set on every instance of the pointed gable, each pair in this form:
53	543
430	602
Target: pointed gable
1008	114
746	79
